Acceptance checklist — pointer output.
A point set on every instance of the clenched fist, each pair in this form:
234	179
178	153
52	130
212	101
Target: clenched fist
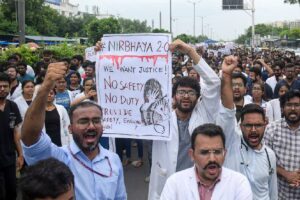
55	72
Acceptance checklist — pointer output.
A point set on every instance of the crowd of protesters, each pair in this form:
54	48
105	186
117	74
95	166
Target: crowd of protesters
235	128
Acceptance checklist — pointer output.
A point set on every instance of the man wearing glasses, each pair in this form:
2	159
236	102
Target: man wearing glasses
98	172
283	136
207	179
247	154
191	111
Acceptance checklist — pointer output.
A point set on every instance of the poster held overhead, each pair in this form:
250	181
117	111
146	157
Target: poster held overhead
134	85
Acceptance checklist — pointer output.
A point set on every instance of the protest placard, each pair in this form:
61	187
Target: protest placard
90	54
134	85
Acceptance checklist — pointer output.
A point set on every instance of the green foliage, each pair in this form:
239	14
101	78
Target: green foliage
133	26
157	30
291	34
29	56
191	39
292	1
65	50
97	28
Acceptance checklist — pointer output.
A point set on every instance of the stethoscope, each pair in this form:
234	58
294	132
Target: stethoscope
246	164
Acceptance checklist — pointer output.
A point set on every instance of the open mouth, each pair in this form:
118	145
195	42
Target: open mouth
90	137
253	138
212	169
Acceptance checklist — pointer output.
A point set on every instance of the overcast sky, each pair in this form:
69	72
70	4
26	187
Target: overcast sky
226	25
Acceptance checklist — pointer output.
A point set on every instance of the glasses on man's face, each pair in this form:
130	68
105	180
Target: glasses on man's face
85	122
239	85
250	126
182	93
292	105
208	152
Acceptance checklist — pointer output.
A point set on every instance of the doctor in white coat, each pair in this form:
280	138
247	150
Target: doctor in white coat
190	109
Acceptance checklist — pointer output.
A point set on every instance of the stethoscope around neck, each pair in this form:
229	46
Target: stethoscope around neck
246	164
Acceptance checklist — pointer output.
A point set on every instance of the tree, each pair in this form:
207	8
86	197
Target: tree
97	28
157	30
292	1
133	26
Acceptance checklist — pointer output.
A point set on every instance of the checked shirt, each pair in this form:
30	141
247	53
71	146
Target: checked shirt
286	145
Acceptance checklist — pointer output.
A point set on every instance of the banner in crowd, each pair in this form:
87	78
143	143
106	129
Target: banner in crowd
134	85
90	54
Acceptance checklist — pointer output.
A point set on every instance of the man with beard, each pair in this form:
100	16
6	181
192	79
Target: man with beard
283	136
273	80
207	179
291	79
240	98
171	156
247	154
10	119
98	172
15	85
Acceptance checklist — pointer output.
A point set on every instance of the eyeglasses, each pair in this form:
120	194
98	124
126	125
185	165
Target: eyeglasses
240	85
256	126
85	122
291	105
215	152
182	93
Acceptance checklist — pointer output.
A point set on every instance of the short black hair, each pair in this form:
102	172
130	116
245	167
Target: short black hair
87	79
68	60
46	178
256	71
278	63
252	108
27	81
187	82
287	96
47	52
22	63
290	65
4	77
78	57
237	75
83	104
210	130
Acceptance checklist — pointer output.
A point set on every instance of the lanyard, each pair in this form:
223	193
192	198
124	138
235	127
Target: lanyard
90	169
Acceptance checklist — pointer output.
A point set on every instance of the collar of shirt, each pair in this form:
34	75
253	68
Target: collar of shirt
205	192
286	125
261	150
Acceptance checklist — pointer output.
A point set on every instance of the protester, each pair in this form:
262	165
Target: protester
283	136
247	154
47	179
207	179
98	172
15	85
24	101
10	119
169	157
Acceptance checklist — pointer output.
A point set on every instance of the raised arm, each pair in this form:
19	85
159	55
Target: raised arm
185	49
35	115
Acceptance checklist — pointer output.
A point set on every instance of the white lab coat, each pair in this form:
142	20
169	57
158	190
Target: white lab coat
17	93
164	153
183	186
22	105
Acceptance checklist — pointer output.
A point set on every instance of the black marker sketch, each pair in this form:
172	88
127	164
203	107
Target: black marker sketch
155	110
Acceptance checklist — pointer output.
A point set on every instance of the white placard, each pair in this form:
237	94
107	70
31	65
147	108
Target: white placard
134	85
90	54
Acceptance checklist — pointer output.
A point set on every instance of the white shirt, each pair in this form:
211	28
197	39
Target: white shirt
183	186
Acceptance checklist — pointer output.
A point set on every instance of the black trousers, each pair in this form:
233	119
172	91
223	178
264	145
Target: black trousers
8	183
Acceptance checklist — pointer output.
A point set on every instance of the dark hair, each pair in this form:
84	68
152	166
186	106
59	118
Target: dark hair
252	108
11	66
256	71
289	65
77	74
87	79
68	60
237	75
186	82
278	63
210	130
47	178
78	57
287	96
91	65
25	82
22	63
83	104
12	57
4	77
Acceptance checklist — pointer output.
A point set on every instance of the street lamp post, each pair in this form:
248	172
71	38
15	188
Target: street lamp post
21	21
194	24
